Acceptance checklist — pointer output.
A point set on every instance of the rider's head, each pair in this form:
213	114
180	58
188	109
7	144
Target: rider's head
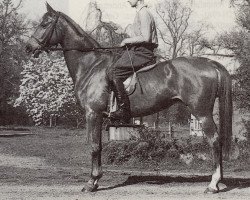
135	3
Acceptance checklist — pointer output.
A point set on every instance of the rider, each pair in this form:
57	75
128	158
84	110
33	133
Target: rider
138	53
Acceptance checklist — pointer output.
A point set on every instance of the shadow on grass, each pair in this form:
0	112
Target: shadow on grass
231	183
15	135
13	129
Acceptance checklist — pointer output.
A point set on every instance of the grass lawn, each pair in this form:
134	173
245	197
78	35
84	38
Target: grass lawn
56	145
65	152
68	148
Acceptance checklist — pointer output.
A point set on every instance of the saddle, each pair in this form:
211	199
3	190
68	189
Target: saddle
131	82
130	86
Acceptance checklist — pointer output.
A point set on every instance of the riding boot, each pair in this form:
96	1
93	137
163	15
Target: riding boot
123	113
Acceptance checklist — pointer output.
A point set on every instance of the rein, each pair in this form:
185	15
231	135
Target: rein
82	50
47	37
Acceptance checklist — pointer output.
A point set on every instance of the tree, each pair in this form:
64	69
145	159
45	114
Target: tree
238	41
46	89
13	27
240	2
175	19
179	37
106	33
195	42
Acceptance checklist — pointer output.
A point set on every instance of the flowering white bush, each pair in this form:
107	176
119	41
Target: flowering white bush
46	87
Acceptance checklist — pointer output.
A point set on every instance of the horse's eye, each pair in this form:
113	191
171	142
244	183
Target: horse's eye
45	24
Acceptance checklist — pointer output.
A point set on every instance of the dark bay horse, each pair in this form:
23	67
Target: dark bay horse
195	81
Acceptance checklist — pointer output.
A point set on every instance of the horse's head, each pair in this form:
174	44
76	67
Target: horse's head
46	34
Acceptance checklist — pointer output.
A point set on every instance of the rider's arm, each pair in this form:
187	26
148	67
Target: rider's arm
145	27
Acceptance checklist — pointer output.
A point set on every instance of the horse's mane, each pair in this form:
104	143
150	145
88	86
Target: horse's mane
79	30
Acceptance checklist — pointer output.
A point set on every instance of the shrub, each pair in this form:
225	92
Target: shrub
151	149
173	154
142	150
150	146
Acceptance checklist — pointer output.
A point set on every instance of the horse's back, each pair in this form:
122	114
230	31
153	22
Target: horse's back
181	67
192	80
200	64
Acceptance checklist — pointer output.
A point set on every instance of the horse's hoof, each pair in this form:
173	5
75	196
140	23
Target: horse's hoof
210	190
90	188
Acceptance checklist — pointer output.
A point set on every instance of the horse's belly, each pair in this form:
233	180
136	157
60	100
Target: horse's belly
149	102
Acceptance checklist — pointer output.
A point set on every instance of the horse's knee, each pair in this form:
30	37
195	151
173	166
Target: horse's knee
95	149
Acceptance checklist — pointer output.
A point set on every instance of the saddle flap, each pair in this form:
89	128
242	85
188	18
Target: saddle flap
130	82
147	68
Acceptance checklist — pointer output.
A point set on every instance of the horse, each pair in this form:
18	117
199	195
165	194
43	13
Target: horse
194	81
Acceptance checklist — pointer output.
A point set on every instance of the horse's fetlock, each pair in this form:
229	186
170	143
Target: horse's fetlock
97	176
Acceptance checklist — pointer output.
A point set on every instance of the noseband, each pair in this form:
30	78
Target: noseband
47	34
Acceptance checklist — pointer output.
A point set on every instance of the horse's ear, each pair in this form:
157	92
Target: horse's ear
50	9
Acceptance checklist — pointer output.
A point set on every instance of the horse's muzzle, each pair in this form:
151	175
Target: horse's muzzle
29	49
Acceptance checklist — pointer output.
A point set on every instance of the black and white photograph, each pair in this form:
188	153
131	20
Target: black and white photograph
124	99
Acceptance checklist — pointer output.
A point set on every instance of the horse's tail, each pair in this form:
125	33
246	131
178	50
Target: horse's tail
225	110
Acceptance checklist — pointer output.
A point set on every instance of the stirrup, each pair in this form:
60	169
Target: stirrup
106	114
119	121
121	115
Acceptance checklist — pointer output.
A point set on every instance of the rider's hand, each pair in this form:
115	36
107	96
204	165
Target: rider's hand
124	42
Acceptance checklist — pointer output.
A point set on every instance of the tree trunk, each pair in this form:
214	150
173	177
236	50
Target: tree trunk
50	121
157	120
141	120
55	120
170	129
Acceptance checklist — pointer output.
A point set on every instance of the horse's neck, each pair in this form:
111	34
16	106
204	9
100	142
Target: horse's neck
73	40
79	63
72	43
82	64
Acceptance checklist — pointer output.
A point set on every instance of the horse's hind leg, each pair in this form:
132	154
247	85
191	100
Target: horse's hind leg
94	127
212	135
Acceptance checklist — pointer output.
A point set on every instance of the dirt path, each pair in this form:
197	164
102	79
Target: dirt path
114	185
131	192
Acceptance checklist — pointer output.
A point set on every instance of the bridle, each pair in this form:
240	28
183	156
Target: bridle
44	44
46	38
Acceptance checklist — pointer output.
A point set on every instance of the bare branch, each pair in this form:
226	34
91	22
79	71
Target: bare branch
222	55
163	38
175	17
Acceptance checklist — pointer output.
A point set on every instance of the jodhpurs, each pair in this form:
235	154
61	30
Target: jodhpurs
140	56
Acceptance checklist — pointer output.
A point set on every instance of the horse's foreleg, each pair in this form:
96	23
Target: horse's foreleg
94	128
210	131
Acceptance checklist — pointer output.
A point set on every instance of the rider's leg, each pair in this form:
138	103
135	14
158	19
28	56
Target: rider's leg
123	113
130	61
